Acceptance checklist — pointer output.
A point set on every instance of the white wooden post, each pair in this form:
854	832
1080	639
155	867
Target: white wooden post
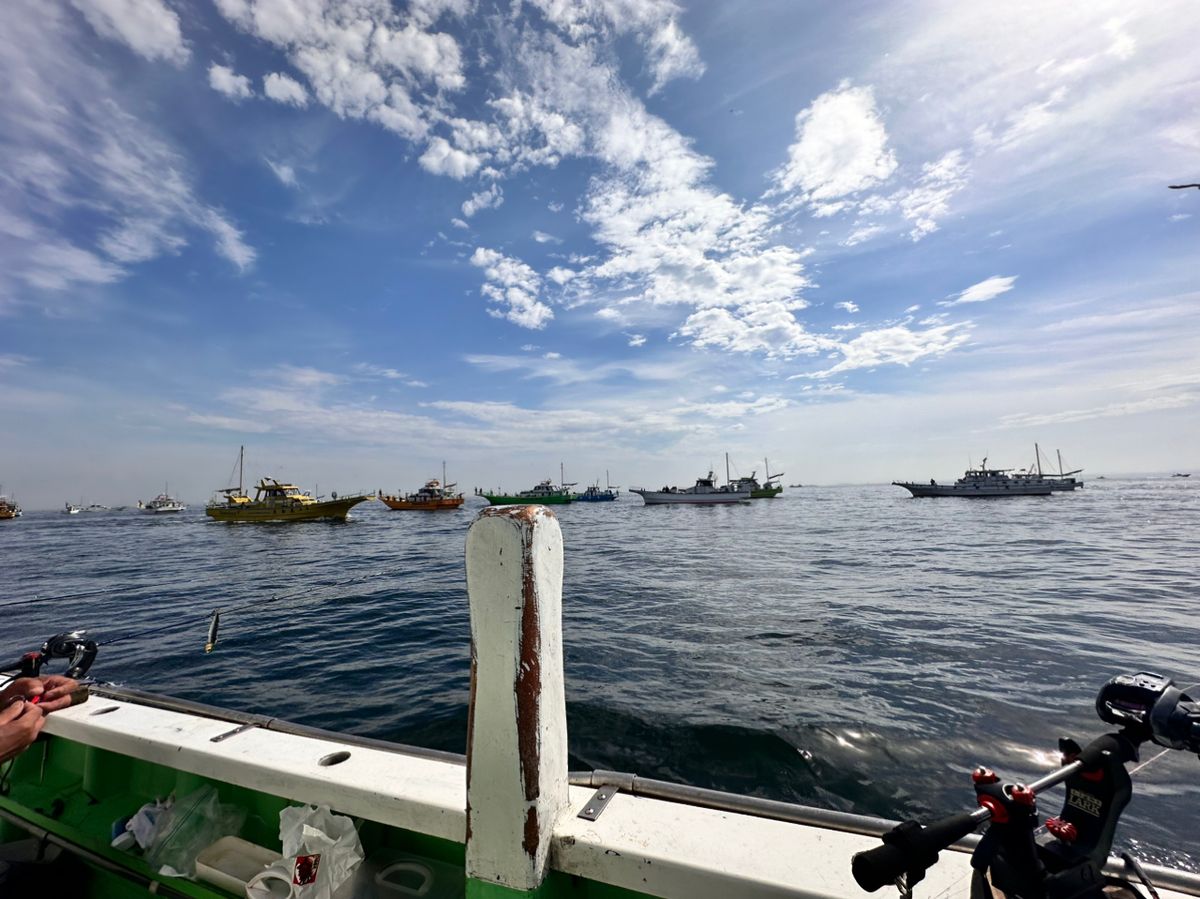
517	723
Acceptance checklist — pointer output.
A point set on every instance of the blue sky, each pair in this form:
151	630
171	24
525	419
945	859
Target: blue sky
361	237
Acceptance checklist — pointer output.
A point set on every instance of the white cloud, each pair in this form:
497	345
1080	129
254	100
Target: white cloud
148	27
441	158
858	235
543	237
847	305
1180	217
841	147
459	223
637	339
928	202
1110	410
985	290
896	345
72	150
284	89
490	198
514	285
285	173
225	81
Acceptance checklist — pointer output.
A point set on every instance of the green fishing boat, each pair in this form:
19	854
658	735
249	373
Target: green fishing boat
545	493
767	489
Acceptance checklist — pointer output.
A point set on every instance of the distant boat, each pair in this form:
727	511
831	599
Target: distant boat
983	482
164	502
433	496
1182	474
71	510
96	507
276	501
8	508
795	485
705	492
543	493
593	494
768	489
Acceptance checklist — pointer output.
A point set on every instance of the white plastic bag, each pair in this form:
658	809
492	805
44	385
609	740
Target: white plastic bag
321	852
187	827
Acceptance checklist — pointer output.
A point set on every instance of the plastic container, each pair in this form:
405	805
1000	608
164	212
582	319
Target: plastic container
230	862
392	874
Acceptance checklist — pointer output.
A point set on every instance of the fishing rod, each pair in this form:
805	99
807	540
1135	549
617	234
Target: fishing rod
37	600
1064	857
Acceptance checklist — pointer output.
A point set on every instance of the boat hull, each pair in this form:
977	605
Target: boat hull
661	498
499	499
766	493
924	490
430	505
282	511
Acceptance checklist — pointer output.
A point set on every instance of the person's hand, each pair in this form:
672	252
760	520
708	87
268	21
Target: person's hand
20	688
56	693
20	723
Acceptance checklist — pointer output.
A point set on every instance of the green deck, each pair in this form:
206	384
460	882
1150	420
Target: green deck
76	792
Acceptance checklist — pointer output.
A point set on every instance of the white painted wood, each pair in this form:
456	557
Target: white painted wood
517	736
423	795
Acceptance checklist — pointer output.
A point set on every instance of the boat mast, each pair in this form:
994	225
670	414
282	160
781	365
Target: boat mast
727	468
1037	452
1060	468
443	472
241	463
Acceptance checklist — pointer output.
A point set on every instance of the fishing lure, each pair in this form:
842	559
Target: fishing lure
213	624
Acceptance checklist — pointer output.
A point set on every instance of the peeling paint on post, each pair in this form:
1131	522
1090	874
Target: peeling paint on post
517	725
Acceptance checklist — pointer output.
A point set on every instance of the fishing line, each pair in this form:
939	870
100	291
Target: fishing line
64	596
217	612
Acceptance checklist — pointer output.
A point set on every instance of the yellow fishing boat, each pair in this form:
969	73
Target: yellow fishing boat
276	501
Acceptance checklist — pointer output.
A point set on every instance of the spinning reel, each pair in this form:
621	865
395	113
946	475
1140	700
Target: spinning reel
74	646
1064	857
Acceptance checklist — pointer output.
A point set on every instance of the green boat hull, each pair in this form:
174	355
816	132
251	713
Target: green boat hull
498	499
766	493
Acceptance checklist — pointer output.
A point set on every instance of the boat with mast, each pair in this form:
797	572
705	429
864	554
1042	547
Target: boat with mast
593	493
164	502
705	492
544	493
768	489
434	496
8	507
1062	480
277	501
70	509
983	482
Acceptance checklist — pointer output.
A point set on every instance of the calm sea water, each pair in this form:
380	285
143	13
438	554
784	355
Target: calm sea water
847	647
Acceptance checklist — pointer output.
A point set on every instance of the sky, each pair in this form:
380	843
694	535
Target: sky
865	241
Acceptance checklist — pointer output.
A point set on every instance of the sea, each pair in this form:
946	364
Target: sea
847	647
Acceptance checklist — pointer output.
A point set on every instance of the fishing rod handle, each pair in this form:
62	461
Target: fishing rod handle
911	848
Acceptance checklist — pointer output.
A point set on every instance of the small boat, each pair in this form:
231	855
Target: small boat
1182	474
593	494
433	496
276	501
793	486
768	489
1062	480
984	482
164	502
96	507
544	493
705	492
8	508
70	509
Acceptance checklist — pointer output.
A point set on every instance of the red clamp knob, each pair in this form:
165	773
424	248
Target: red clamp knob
1022	794
1064	830
996	807
984	776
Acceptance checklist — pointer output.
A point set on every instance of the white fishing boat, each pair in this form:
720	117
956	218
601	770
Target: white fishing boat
162	503
705	492
505	820
983	482
70	509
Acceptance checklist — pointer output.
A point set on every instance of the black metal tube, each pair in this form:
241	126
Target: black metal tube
158	887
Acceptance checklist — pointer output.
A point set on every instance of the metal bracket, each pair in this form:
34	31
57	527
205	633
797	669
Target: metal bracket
232	733
599	801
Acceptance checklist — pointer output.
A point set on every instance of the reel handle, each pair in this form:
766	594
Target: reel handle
910	848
